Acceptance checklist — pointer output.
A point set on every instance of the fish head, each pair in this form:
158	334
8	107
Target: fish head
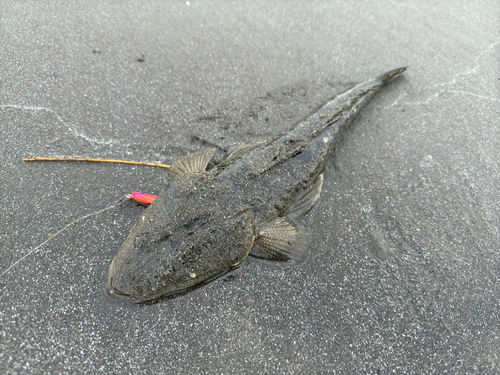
158	261
143	271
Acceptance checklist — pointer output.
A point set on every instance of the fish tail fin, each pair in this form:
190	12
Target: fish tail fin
339	112
349	103
391	75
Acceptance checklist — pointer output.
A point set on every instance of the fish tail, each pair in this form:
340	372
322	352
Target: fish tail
339	112
391	75
348	104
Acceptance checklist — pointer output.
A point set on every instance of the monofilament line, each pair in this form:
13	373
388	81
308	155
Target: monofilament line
51	237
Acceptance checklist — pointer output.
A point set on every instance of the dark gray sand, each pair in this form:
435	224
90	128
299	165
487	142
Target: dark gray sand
402	275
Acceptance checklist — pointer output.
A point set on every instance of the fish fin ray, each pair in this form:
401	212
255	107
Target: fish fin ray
307	199
240	150
277	240
195	162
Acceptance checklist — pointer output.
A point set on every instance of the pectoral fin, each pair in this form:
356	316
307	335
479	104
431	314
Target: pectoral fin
274	240
193	163
306	200
279	239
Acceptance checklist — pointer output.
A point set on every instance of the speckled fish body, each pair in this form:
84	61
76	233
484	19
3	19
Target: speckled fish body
206	222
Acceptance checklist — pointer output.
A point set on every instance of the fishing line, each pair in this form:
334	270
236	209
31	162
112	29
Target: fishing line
51	237
141	198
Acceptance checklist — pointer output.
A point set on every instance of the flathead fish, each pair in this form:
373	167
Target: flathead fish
204	223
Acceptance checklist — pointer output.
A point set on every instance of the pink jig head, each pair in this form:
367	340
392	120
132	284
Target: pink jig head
142	198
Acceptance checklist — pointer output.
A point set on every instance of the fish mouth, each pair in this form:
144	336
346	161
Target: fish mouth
116	293
126	297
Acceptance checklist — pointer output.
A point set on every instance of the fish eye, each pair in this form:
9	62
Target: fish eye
165	271
139	242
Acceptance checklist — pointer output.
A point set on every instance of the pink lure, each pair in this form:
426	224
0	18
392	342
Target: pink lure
142	198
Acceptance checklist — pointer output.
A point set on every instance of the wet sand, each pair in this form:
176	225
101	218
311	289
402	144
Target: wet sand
403	265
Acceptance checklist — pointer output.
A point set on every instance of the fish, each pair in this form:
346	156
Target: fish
206	222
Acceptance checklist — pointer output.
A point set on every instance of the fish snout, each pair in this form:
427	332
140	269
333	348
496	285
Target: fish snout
115	288
129	283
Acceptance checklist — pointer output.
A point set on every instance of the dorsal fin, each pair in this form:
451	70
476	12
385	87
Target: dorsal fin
193	163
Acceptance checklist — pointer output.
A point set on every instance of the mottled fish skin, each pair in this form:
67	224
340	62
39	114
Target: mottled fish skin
203	224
